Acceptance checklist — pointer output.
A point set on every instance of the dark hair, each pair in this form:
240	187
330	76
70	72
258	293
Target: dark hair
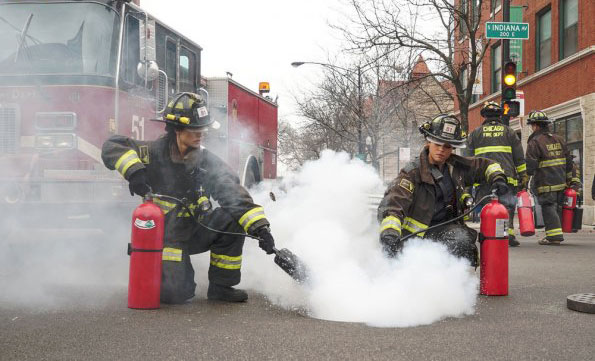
170	129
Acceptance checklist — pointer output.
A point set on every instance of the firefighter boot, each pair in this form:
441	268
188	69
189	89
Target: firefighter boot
225	293
512	242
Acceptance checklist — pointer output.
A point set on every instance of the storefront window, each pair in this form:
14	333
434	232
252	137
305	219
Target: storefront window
571	130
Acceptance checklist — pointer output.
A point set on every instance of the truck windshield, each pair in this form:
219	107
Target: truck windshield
57	38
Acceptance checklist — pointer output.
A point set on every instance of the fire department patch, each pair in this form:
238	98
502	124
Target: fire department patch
407	185
144	154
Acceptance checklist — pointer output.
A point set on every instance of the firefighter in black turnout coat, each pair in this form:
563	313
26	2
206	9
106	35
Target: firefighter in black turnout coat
553	170
496	141
176	165
432	189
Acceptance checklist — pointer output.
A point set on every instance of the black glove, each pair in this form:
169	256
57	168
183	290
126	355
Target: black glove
500	187
266	241
138	183
391	243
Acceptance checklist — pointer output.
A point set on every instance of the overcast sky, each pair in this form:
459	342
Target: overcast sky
257	40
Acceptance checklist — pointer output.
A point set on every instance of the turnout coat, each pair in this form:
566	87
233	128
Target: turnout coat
409	202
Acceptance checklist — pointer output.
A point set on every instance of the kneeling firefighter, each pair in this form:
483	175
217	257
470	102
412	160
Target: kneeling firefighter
432	189
175	165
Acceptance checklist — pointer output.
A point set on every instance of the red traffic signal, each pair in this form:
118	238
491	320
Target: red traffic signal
509	81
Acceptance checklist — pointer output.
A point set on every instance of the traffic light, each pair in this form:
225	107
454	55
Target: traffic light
509	81
511	108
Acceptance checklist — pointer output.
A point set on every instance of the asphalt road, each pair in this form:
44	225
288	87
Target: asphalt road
531	323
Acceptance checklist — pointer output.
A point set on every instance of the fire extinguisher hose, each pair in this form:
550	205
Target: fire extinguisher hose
491	195
183	204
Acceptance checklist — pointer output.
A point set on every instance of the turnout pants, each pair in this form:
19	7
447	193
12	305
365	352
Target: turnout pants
177	281
551	208
458	239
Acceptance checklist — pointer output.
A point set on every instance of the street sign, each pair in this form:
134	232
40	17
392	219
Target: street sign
507	30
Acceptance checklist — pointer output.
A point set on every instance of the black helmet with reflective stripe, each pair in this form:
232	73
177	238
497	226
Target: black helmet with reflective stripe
444	129
491	110
538	117
188	110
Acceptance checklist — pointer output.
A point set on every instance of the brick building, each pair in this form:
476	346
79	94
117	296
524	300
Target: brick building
419	98
556	68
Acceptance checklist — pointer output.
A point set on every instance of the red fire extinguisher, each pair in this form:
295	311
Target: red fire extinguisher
525	213
145	250
568	209
494	249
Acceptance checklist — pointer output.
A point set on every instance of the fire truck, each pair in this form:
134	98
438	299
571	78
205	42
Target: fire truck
73	73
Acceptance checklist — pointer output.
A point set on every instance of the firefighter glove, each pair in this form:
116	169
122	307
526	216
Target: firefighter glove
138	183
499	187
265	239
576	186
524	181
391	243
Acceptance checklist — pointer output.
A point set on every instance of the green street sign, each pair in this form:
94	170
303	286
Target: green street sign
507	30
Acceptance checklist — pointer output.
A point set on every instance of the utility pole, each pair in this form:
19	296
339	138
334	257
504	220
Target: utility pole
505	54
505	42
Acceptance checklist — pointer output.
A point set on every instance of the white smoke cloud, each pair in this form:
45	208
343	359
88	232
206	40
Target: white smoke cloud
322	214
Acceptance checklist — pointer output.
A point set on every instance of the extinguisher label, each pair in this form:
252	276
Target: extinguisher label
148	224
568	202
501	228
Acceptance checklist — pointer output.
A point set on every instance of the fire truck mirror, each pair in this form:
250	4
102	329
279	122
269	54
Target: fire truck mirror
151	71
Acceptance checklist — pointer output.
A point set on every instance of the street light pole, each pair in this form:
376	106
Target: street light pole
360	107
360	118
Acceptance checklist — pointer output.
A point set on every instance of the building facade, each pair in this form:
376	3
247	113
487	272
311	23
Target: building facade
556	73
419	98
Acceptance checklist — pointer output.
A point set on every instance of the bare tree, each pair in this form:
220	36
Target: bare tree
440	30
352	110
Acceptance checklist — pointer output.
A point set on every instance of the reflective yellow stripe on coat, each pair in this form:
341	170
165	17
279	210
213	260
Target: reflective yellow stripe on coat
491	169
494	149
250	217
412	226
521	168
391	222
126	161
552	162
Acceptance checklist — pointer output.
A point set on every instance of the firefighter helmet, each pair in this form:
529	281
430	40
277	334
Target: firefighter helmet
187	110
538	117
444	129
491	110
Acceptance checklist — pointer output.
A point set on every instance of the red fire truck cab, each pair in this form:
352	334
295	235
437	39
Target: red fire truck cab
73	73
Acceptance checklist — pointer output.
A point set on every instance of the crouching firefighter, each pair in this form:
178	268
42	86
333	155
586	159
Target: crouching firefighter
175	165
432	189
